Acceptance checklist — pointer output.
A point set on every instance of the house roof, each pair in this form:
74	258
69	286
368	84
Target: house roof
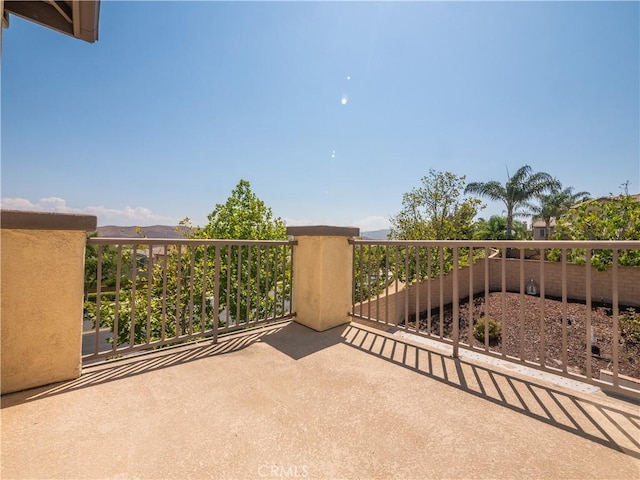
77	18
635	196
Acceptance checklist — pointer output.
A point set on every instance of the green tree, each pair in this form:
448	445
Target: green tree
516	194
435	210
496	229
175	290
553	205
616	218
245	275
242	217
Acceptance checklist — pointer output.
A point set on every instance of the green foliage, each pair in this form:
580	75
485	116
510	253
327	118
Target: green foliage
612	219
176	290
377	267
555	204
245	217
435	211
496	229
495	329
520	188
629	322
109	259
372	272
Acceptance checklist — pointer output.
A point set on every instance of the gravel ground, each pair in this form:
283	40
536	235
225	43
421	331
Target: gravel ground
510	343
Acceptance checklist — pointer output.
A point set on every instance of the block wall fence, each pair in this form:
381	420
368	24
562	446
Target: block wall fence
395	306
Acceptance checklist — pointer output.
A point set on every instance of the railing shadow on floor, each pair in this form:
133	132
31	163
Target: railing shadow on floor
147	361
589	418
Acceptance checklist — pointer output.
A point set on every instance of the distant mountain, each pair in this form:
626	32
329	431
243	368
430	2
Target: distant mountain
375	234
168	231
154	231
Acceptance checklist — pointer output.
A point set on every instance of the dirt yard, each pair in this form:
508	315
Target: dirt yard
601	321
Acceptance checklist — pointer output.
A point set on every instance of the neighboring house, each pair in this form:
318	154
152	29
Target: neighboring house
635	196
541	231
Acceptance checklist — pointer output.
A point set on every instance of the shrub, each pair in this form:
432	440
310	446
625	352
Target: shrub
495	330
629	322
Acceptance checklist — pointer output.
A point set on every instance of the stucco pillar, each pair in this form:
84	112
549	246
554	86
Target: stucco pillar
41	299
322	275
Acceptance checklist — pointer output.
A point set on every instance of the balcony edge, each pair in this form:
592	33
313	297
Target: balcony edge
323	231
22	220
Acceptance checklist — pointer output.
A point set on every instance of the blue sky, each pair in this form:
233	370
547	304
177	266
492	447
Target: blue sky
178	101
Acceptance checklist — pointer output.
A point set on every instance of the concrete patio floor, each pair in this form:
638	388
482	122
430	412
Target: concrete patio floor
288	402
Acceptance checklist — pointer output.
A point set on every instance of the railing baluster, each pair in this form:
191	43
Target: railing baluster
417	287
543	346
565	360
258	283
266	287
216	294
429	275
248	312
441	275
239	284
98	299
503	300
522	300
178	306
204	299
456	306
191	286
165	264
149	290
470	302
132	311
486	298
406	287
116	315
589	336
615	344
386	300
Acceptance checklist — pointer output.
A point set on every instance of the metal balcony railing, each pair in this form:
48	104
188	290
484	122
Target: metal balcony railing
571	308
147	293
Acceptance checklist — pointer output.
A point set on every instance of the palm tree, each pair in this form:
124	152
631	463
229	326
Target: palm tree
517	192
496	228
555	204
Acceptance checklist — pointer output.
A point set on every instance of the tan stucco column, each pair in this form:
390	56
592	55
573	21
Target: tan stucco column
322	275
41	299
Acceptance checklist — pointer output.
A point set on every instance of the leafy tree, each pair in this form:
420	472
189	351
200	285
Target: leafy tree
242	217
432	211
555	204
496	229
249	280
435	211
615	218
520	188
175	288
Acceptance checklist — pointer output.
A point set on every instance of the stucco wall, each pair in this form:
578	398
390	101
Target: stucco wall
322	273
42	279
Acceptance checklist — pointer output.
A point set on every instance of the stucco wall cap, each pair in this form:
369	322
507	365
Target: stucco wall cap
47	221
324	231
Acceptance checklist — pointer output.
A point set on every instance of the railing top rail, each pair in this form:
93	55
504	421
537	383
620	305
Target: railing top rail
605	244
183	241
